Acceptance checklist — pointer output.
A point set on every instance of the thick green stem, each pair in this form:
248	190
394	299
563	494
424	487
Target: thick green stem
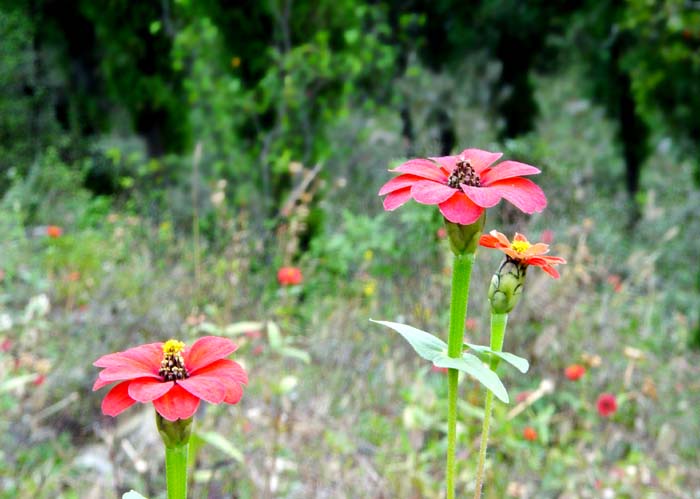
176	471
461	276
498	331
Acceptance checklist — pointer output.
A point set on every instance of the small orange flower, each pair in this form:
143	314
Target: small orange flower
54	231
574	372
522	251
289	276
530	434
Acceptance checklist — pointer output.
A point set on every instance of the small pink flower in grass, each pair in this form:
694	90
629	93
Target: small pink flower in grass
547	236
606	404
522	396
464	186
171	376
289	276
522	252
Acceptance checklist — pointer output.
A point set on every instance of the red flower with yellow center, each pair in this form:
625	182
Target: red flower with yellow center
464	186
171	376
522	251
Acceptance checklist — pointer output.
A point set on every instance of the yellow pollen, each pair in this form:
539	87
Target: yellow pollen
173	347
520	246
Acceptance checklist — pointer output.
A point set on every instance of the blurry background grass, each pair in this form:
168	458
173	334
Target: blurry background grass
338	407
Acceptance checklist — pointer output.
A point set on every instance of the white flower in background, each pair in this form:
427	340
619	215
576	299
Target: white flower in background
38	306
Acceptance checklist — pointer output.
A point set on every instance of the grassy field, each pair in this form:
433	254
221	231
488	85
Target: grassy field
337	406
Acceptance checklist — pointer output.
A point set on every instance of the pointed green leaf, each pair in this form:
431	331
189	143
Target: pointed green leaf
243	327
296	353
477	370
425	344
519	363
274	335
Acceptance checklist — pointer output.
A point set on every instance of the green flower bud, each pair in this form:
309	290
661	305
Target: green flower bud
507	286
464	239
174	433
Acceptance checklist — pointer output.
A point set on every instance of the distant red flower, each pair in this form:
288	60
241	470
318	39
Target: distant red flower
6	345
616	282
463	186
547	236
606	404
470	324
289	276
171	376
441	233
574	372
73	276
54	231
39	380
521	251
530	434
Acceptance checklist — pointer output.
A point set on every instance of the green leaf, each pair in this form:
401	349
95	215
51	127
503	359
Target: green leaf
477	370
425	344
243	327
295	353
519	363
274	335
220	442
132	494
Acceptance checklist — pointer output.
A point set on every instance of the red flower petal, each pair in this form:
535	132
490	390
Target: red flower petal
207	388
122	373
147	389
397	198
146	356
485	197
206	350
480	159
234	393
422	168
178	403
225	368
543	264
507	169
523	193
489	241
399	182
429	192
449	163
460	209
117	400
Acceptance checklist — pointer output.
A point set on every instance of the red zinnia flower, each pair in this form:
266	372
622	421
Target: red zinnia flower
530	434
521	251
463	186
289	276
54	231
607	404
171	376
574	372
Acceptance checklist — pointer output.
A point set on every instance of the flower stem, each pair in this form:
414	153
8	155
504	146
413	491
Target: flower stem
498	330
461	276
176	471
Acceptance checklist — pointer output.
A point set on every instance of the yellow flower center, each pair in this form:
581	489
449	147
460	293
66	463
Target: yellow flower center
173	346
172	367
520	246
